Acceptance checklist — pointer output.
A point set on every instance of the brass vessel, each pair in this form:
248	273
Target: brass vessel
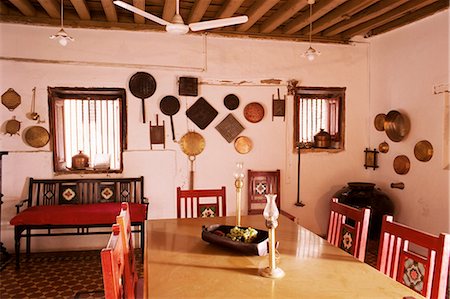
80	161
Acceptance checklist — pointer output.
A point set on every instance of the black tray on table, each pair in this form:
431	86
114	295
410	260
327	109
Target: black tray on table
257	247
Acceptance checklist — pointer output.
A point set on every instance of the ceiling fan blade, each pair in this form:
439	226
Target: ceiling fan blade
141	12
218	23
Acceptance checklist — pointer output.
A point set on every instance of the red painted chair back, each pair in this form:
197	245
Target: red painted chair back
113	265
201	203
416	259
130	273
351	238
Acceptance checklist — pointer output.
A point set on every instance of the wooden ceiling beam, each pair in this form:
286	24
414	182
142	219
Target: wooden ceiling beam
82	9
365	15
229	8
412	17
283	14
51	7
387	17
198	10
4	10
319	10
255	12
138	19
110	11
24	6
339	14
169	10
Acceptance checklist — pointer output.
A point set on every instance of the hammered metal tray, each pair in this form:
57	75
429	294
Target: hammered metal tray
216	234
201	113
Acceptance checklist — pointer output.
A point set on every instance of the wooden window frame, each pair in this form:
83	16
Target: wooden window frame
62	93
320	92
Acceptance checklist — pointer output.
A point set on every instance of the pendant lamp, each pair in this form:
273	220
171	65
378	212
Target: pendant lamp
311	53
62	37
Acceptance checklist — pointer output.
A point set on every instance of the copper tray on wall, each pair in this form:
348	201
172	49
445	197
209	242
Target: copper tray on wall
396	126
254	112
423	151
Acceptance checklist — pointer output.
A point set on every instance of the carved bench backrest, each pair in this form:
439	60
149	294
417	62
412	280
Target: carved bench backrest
85	191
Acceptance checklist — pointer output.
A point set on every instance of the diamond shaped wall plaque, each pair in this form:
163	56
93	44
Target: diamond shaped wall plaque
229	128
201	113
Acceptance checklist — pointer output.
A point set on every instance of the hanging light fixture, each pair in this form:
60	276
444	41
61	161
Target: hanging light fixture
62	37
311	53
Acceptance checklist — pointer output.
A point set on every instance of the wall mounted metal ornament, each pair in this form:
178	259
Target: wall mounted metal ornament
12	126
383	147
37	136
401	164
157	133
11	99
201	113
278	106
188	86
229	128
423	151
371	159
379	121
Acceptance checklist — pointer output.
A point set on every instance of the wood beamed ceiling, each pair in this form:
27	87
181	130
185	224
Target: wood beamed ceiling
333	21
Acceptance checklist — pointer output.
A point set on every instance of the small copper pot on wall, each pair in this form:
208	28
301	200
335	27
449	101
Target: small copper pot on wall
322	139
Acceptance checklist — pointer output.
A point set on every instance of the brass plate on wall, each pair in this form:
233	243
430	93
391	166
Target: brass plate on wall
383	147
243	144
192	143
379	121
423	151
37	136
396	126
401	164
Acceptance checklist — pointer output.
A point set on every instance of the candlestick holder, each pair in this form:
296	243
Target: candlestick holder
271	214
238	183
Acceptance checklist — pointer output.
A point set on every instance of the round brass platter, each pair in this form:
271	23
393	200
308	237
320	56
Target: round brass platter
401	164
192	143
37	136
396	126
383	147
379	121
243	144
423	150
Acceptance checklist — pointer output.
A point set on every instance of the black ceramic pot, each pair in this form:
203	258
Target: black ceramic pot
365	195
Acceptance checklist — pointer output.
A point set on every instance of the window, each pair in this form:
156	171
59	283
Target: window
316	109
92	120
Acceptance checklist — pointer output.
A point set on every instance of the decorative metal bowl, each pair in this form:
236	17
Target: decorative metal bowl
216	234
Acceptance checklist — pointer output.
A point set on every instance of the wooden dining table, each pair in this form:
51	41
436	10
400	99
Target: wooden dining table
179	264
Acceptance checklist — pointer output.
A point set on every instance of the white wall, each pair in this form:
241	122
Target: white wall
405	66
226	59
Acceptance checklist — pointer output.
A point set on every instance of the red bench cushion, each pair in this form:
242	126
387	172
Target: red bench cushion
84	214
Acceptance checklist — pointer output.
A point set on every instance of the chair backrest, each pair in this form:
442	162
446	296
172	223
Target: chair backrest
112	257
201	203
423	266
261	183
130	273
348	228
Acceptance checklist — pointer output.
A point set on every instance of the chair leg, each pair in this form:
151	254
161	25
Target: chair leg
28	242
142	241
17	234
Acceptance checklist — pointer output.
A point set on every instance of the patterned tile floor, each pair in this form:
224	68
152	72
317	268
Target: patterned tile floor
56	275
64	274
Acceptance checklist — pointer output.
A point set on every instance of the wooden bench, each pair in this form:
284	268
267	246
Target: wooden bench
78	206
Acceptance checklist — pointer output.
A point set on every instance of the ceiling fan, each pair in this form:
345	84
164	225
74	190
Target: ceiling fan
177	26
